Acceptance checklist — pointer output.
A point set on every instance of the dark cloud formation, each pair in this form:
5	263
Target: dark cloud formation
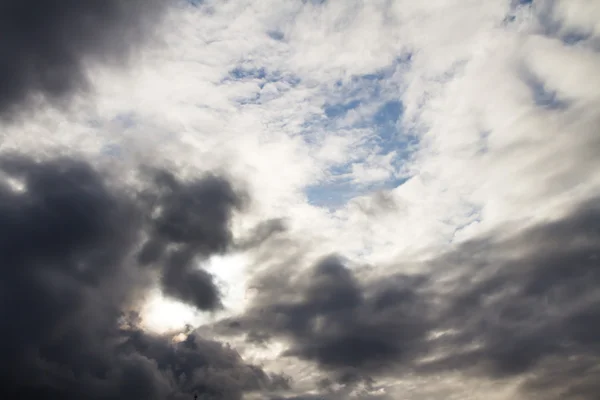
333	319
78	252
527	307
189	221
71	282
532	305
45	45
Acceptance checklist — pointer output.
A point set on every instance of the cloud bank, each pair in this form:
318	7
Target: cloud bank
523	306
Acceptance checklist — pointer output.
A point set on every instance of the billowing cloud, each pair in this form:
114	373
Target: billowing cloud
503	306
47	46
71	284
80	250
195	219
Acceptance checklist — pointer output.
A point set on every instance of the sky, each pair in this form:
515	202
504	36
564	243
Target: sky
300	200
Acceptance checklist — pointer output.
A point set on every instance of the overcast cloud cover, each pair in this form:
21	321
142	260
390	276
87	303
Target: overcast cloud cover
300	200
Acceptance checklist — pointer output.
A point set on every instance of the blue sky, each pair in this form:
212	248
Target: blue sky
374	99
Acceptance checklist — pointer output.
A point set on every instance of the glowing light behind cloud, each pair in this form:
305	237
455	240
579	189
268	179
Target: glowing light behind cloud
161	314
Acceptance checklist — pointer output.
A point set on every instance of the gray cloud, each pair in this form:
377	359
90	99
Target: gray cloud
189	220
527	306
262	233
348	328
45	45
70	286
531	304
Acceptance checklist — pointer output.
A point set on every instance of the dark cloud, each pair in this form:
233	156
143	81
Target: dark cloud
532	305
70	284
182	280
527	306
195	214
203	366
189	221
74	271
344	326
46	45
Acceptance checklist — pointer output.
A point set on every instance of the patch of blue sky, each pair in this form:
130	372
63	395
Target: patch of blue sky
364	93
261	76
336	194
244	73
373	97
371	103
241	73
520	3
340	109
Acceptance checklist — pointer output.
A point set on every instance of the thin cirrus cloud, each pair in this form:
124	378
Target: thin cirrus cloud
353	200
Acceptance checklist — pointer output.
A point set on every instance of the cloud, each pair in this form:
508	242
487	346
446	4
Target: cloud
521	306
195	218
336	324
473	122
46	46
71	284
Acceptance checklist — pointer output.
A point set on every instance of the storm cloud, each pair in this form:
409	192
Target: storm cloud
71	284
47	46
525	305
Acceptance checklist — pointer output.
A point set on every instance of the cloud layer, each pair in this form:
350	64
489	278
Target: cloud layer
364	200
524	306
